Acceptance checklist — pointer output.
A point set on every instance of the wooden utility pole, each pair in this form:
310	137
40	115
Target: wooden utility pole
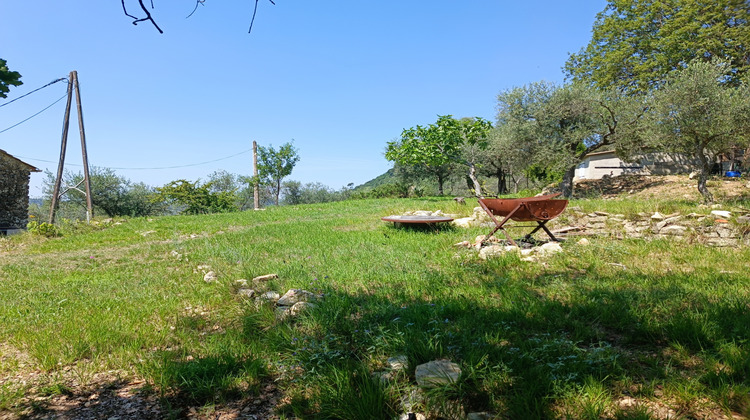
56	194
256	193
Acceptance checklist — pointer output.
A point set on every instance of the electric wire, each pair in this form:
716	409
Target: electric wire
46	108
37	89
149	169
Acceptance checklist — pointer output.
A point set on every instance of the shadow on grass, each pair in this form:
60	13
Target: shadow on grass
522	351
522	348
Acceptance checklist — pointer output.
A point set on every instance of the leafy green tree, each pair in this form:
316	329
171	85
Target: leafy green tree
502	159
275	165
700	113
636	43
438	146
8	78
557	126
112	194
197	198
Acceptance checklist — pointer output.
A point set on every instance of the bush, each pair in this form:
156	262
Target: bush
43	229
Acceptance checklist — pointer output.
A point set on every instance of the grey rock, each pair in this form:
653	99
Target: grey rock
300	307
210	277
722	214
266	277
437	373
674	230
246	293
399	362
293	296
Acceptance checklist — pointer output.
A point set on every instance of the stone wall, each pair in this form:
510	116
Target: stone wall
14	193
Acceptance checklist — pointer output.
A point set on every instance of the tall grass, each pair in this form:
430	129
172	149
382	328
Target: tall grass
664	322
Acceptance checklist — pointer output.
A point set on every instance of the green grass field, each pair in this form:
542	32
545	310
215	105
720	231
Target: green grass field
626	329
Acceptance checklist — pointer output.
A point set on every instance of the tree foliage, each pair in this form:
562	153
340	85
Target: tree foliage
197	198
438	146
699	113
555	127
275	165
636	43
110	193
8	78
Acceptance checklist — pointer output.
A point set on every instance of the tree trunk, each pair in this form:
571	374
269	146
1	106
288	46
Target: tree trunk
475	181
708	198
566	185
440	184
502	187
278	191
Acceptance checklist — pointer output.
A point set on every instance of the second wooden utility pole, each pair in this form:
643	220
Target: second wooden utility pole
256	193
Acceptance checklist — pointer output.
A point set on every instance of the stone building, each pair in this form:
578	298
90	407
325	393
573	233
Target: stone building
14	193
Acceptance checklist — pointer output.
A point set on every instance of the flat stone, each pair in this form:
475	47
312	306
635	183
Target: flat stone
247	293
550	248
491	252
266	277
399	362
722	214
210	277
437	373
657	216
268	297
293	296
300	307
674	230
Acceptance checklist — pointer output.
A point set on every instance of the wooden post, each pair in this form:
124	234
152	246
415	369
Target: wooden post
84	155
256	193
63	146
72	84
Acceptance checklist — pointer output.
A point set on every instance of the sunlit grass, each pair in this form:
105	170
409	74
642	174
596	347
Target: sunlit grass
658	321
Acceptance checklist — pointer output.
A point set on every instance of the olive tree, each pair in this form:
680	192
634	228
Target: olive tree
556	127
699	113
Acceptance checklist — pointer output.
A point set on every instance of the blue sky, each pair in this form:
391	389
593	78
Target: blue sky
339	78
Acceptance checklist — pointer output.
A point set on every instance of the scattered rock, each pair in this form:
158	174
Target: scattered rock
268	297
657	216
293	296
266	277
437	373
399	362
721	214
246	293
583	242
460	200
210	277
240	283
300	307
148	232
412	416
491	251
549	248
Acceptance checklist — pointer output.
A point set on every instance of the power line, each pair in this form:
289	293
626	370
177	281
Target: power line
151	169
22	96
48	107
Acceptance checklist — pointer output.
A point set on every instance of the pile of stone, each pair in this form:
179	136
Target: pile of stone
479	218
291	304
717	228
434	374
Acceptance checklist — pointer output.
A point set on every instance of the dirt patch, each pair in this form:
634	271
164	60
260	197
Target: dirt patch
679	187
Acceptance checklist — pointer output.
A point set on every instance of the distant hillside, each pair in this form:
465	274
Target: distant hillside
387	178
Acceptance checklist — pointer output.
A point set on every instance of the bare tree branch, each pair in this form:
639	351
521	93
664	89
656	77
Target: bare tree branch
145	10
197	3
